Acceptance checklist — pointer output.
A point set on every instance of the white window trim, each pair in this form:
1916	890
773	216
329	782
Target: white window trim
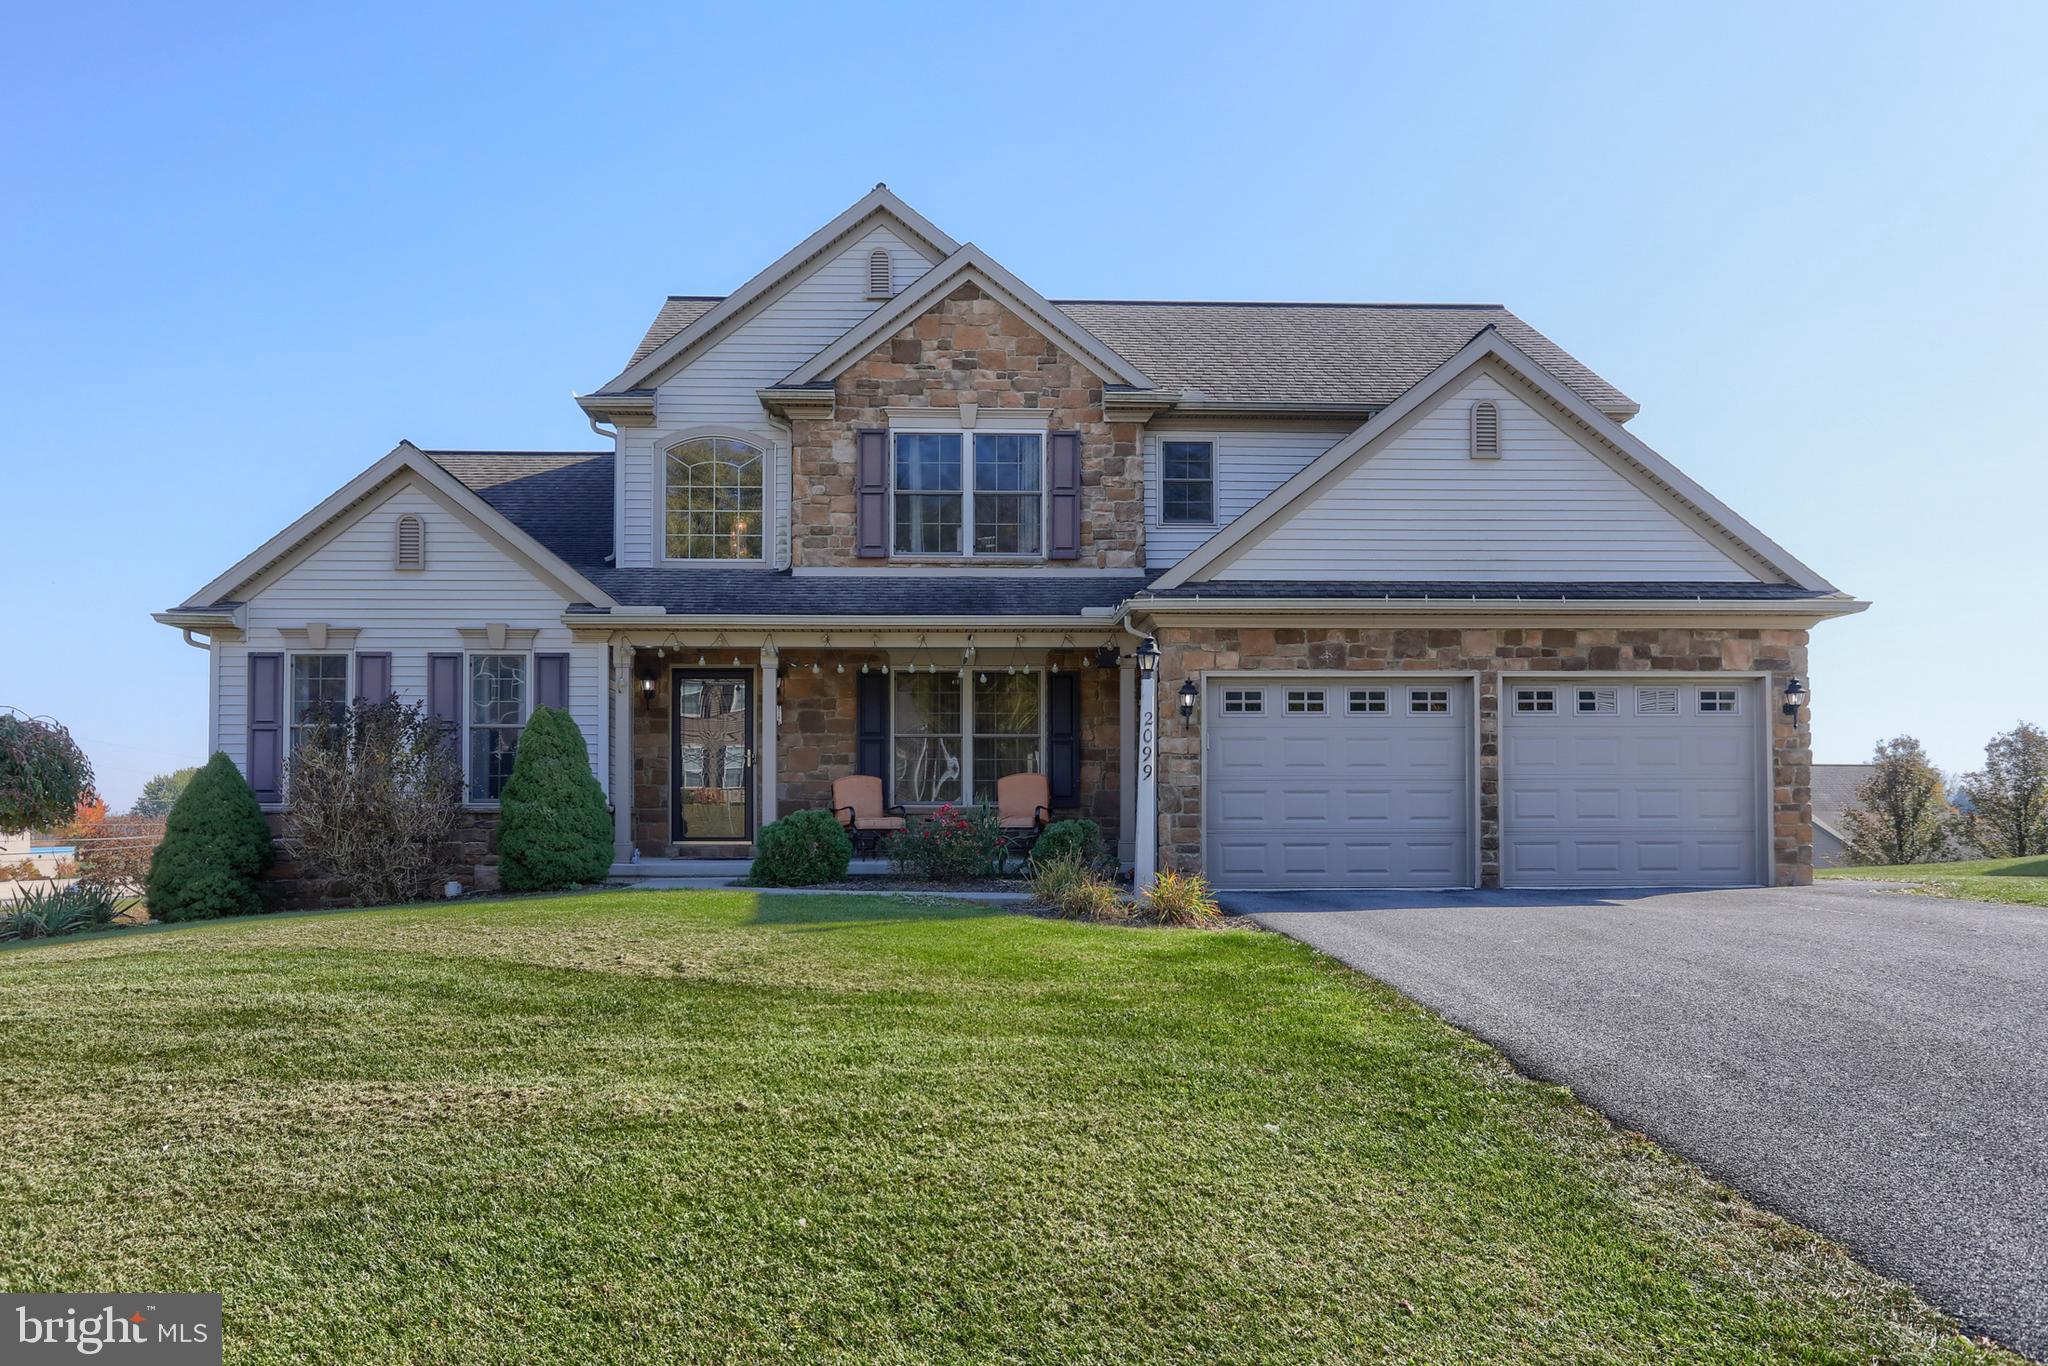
1353	696
1003	424
769	444
1215	445
525	714
348	692
1553	709
965	800
1450	700
1315	701
1734	707
1254	697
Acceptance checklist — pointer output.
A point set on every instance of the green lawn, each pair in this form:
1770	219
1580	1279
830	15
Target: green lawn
2022	881
714	1126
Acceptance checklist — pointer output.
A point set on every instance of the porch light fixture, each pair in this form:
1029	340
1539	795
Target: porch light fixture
1148	657
647	683
1188	695
1795	696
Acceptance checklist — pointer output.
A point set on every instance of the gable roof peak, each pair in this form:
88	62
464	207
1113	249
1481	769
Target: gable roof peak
968	263
878	202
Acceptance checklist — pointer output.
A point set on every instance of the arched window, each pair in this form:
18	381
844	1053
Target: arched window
714	500
1486	430
879	283
409	550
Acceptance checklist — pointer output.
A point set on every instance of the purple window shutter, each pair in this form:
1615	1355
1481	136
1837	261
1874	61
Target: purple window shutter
1063	491
444	693
871	492
1063	737
266	726
373	677
551	681
871	748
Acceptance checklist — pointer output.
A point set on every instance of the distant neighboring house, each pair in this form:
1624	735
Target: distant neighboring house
1834	792
1437	618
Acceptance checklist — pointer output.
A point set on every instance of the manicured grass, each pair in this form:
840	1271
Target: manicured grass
2021	881
714	1126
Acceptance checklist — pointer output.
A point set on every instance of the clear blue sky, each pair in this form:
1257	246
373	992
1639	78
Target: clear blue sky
246	249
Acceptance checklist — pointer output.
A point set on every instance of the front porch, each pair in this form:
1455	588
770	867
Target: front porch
725	731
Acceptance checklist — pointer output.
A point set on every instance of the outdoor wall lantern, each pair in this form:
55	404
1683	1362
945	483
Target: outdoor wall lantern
1147	656
647	683
1188	694
1795	694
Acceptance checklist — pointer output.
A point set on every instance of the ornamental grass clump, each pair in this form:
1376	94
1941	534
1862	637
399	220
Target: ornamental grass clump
1181	899
802	849
1074	891
47	912
949	845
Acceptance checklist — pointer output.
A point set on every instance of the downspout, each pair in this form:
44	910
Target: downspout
618	484
197	645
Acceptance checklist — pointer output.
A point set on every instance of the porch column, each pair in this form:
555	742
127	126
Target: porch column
622	752
765	750
1145	859
1126	760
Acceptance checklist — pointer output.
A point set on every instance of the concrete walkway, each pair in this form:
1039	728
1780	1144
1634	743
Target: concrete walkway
1872	1064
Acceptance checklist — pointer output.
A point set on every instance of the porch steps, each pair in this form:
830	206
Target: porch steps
707	851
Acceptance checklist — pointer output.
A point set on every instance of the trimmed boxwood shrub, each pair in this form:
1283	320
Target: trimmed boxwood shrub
1079	840
553	829
802	849
215	850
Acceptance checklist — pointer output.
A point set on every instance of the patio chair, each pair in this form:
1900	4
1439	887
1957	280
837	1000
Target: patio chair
1023	806
857	802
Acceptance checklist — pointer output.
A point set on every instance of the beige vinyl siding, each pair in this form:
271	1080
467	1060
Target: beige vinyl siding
1549	509
716	388
348	582
1251	461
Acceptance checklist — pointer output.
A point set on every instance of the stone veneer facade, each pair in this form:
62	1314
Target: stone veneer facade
967	349
1490	652
817	734
469	856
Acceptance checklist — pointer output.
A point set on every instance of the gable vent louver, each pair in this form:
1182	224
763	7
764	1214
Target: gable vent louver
879	283
1486	430
410	548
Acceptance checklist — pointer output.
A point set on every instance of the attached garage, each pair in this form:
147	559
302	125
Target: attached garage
1632	784
1341	782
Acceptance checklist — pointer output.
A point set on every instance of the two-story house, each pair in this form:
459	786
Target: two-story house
1410	605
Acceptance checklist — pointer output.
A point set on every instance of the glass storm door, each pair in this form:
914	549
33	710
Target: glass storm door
713	762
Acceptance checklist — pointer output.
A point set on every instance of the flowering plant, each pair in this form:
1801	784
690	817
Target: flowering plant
949	845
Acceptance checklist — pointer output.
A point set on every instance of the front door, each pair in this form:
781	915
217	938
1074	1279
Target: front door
712	762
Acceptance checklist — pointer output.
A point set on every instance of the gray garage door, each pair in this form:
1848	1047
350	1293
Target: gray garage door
1631	784
1338	782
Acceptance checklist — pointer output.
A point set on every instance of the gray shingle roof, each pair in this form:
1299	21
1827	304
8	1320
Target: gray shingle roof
563	499
753	592
1357	355
677	313
1744	590
1350	355
1834	792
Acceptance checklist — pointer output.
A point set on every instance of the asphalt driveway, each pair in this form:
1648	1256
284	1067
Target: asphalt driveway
1871	1064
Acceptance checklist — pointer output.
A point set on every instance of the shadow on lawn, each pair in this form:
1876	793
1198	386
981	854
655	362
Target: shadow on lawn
2031	868
836	910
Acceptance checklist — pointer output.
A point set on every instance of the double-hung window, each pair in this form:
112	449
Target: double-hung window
319	694
957	735
969	493
498	698
929	748
1187	482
